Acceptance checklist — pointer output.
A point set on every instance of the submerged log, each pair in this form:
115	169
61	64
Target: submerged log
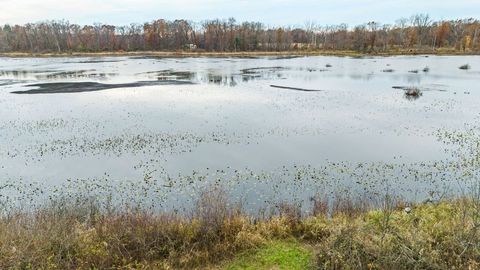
295	88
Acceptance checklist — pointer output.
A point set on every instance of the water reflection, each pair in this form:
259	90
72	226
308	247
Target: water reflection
56	74
232	72
219	77
177	121
77	74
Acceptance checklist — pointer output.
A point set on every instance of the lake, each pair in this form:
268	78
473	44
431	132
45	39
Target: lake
157	131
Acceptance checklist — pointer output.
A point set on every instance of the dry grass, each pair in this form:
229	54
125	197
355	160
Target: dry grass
344	234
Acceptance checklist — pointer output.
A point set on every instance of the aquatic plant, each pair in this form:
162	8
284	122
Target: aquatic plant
412	93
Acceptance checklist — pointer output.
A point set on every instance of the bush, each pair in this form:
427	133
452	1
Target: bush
351	236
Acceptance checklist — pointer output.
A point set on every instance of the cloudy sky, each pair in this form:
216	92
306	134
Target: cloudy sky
271	12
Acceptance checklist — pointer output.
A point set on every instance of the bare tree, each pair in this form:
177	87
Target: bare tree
230	35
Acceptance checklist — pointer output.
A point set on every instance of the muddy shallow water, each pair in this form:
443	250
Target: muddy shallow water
165	128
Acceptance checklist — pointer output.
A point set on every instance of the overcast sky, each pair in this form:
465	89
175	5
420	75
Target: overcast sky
271	12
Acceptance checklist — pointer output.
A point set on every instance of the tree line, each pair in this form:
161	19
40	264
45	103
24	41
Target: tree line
227	35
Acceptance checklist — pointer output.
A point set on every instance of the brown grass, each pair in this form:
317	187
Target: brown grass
344	233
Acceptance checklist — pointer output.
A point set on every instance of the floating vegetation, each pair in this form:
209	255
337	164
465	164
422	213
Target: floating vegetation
153	143
388	70
159	190
413	93
162	190
413	71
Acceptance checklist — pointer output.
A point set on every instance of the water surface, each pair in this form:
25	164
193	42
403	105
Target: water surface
168	127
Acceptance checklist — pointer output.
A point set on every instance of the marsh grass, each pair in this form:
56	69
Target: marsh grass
341	233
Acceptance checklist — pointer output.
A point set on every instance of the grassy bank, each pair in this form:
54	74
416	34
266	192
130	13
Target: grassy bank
443	51
440	235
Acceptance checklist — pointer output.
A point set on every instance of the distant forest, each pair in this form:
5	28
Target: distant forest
417	32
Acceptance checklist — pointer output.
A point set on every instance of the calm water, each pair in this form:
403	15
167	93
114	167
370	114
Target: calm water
229	126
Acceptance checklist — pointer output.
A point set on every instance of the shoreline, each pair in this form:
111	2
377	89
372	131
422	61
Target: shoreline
72	235
441	52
